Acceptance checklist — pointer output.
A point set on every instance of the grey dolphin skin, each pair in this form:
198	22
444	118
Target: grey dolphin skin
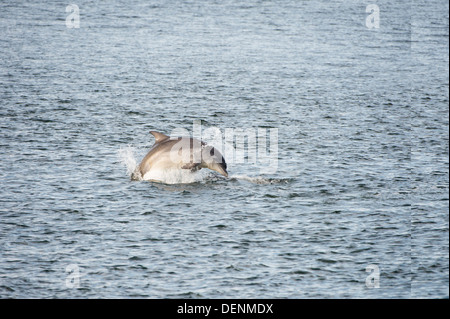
181	153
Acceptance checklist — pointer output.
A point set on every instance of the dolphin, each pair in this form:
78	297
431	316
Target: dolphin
181	153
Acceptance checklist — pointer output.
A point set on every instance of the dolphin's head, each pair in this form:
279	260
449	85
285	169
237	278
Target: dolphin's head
213	160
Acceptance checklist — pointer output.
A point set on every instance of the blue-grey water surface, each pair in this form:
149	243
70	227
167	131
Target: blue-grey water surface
361	186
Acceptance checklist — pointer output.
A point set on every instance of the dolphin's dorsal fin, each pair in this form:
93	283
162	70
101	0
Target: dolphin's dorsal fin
158	136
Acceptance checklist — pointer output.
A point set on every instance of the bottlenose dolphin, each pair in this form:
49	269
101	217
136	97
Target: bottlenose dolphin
181	153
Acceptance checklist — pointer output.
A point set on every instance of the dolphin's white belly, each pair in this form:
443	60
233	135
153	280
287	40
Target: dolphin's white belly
165	169
161	161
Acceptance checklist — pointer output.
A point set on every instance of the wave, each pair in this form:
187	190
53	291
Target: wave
261	180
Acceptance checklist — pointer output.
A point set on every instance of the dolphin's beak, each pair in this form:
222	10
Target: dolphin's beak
219	168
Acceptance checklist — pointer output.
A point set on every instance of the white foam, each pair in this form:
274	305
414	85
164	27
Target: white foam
259	179
174	176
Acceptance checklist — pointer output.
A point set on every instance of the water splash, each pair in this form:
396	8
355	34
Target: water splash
181	176
127	158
